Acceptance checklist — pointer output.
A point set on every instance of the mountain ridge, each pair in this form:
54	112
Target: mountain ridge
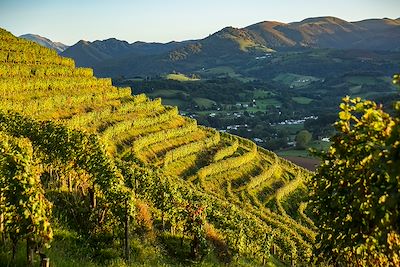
256	39
58	46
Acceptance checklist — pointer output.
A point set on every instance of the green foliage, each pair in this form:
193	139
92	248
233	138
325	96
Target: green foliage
356	188
194	227
181	77
85	155
396	79
191	148
24	210
295	80
303	138
80	148
229	163
163	135
302	100
227	150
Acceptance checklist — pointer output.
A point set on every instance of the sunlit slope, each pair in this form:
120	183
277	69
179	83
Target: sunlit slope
267	191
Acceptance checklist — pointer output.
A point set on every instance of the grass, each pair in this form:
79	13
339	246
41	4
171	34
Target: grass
295	80
180	77
371	95
221	70
266	98
174	102
204	102
355	89
359	80
68	250
5	255
263	94
320	145
316	144
293	129
246	45
227	71
303	157
166	93
263	103
294	153
302	100
208	112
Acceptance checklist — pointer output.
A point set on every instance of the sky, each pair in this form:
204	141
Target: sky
69	21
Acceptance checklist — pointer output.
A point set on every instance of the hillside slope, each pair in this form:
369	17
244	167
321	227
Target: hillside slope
89	54
250	192
59	47
233	46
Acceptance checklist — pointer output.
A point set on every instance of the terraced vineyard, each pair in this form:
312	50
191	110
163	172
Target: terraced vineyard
252	194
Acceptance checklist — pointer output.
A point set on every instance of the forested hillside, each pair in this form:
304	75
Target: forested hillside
247	50
113	167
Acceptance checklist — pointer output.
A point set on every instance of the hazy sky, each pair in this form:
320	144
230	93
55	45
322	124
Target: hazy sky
69	21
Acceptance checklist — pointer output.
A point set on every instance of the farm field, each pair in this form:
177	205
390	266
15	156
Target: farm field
294	80
180	77
305	162
302	100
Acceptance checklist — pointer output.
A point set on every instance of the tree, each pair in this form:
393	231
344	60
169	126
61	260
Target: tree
303	138
356	189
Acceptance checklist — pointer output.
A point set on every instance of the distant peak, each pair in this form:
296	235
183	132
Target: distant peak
30	34
268	23
323	18
43	41
114	40
228	29
83	42
36	36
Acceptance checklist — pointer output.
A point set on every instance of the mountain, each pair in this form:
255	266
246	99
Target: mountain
88	54
331	32
119	165
233	46
59	47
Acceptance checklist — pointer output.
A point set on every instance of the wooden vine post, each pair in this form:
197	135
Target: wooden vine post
2	234
44	260
127	250
263	257
162	211
92	195
29	251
